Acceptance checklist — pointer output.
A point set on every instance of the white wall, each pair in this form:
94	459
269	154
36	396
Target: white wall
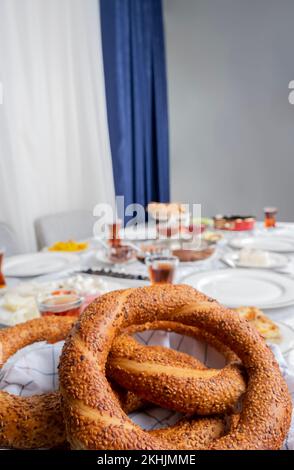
231	125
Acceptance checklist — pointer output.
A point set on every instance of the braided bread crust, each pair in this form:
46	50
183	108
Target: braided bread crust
94	419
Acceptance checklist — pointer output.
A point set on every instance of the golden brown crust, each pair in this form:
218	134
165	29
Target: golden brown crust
187	388
193	331
129	401
50	329
31	422
94	419
192	433
37	421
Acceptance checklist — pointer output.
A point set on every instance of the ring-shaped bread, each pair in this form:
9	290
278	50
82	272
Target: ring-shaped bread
37	421
93	416
166	378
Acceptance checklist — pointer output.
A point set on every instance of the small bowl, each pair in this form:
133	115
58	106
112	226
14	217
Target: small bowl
120	253
234	222
60	305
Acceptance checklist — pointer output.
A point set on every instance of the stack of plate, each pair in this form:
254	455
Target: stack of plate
236	287
38	264
280	244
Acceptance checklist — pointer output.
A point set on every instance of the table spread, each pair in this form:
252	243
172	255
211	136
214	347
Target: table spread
34	369
88	259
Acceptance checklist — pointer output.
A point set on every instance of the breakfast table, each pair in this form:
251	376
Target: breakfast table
41	375
88	259
215	263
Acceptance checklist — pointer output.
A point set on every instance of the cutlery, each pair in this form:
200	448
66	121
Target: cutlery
118	274
229	263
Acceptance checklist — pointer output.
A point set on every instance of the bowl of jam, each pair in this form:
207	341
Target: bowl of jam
60	304
234	222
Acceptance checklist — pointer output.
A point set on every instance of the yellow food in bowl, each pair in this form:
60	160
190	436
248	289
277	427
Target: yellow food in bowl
69	245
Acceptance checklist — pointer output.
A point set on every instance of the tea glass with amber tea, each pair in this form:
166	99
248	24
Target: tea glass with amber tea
161	269
114	234
2	278
270	217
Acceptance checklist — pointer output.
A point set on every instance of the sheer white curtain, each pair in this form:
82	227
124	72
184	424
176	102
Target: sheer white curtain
54	142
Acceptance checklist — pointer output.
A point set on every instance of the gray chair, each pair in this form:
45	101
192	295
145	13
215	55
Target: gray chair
77	225
8	240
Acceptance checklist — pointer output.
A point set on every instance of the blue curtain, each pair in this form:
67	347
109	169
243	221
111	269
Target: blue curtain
135	80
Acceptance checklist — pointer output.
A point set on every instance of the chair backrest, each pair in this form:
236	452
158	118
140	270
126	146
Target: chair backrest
8	240
77	225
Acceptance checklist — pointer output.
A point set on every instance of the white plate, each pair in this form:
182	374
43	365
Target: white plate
278	244
287	342
237	287
276	261
38	264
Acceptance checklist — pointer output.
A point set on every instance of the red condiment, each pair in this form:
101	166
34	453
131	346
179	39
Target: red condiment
234	222
61	305
63	292
74	312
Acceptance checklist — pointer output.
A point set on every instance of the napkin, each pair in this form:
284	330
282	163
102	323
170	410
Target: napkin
33	370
